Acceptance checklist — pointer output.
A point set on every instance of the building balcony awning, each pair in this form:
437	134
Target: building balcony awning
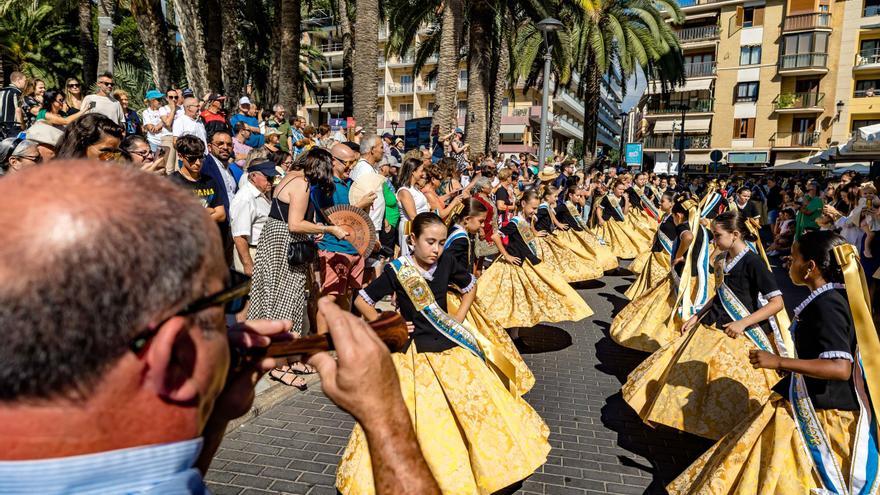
513	128
703	84
693	125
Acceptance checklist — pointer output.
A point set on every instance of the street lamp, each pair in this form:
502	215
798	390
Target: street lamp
840	106
684	108
623	136
546	26
394	125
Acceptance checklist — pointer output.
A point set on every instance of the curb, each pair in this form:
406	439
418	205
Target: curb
271	396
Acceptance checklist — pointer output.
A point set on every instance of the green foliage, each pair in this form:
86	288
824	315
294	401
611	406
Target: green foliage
127	43
134	80
35	38
786	100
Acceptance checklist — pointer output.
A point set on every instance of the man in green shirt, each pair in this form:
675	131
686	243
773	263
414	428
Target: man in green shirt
810	211
388	235
279	122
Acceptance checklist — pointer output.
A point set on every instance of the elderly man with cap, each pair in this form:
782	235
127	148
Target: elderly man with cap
249	211
118	378
46	136
256	138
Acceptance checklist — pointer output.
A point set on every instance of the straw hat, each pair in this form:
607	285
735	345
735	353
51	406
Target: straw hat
548	173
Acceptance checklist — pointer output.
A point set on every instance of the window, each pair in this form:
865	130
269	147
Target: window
745	91
858	124
869	51
462	109
406	84
406	111
747	17
805	43
872	7
743	128
867	88
750	55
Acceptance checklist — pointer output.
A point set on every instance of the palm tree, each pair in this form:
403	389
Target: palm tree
153	31
230	57
501	71
189	23
366	41
87	48
290	85
480	38
44	55
343	23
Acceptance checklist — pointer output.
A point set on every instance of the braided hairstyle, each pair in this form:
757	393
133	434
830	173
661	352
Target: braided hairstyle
817	246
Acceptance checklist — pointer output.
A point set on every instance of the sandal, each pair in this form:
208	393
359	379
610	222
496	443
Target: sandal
287	377
300	368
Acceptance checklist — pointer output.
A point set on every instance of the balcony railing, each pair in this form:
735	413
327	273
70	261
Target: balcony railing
333	46
667	141
794	139
699	69
803	61
327	99
870	56
462	84
400	89
426	87
422	113
785	101
698	33
812	20
381	89
866	93
691	3
330	73
674	106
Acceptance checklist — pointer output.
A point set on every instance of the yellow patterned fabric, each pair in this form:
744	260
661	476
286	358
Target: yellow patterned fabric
643	225
476	437
638	264
566	255
603	254
623	243
708	387
523	296
655	270
498	336
763	455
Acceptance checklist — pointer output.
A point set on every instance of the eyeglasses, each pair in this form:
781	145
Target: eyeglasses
172	97
109	154
346	163
143	154
232	297
222	144
35	158
193	158
105	83
73	85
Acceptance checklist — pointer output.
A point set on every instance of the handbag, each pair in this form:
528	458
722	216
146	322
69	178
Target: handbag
302	249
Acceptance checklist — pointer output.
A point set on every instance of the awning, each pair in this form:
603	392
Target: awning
693	125
513	129
702	84
796	166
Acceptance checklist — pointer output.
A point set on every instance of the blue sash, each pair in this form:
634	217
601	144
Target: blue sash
525	231
647	205
666	243
737	311
615	203
457	233
710	202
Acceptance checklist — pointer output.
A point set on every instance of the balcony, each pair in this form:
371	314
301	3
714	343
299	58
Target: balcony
699	69
807	22
867	60
422	113
335	99
381	61
795	140
324	75
697	34
660	107
803	63
332	46
669	141
799	102
401	61
462	84
381	89
400	89
426	87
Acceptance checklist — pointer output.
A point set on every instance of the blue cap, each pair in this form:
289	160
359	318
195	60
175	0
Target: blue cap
266	168
154	94
459	131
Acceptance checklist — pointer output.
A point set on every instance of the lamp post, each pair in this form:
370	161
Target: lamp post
684	108
546	26
623	135
394	125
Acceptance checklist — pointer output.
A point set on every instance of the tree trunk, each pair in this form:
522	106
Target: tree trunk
231	60
479	65
214	14
189	23
153	32
274	72
290	84
344	26
591	105
446	108
87	45
502	68
106	12
366	48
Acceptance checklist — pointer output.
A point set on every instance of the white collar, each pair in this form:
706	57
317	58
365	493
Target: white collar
813	295
220	164
251	190
428	275
728	265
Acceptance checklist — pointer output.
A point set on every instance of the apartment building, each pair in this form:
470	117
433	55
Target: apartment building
403	96
762	84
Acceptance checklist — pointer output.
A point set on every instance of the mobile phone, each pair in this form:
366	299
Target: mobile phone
161	151
92	105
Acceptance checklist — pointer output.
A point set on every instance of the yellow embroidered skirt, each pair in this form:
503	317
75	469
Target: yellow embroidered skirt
654	270
602	253
764	454
643	225
498	336
708	388
523	296
623	243
566	255
475	435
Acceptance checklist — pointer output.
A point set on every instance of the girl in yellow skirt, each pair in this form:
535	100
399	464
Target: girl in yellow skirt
697	383
477	437
818	432
658	259
610	215
518	290
643	215
563	252
646	323
468	223
570	214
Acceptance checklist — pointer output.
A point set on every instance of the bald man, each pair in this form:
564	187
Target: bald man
116	358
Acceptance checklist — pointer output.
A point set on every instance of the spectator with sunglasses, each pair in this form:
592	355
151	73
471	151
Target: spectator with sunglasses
137	153
102	101
188	124
72	96
191	151
91	136
21	154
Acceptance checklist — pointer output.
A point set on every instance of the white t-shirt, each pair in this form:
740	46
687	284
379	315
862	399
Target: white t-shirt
154	117
104	105
360	168
184	125
248	213
377	211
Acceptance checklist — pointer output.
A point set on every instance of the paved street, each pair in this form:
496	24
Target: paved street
599	444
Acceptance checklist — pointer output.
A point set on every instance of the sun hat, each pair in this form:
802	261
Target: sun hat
548	173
